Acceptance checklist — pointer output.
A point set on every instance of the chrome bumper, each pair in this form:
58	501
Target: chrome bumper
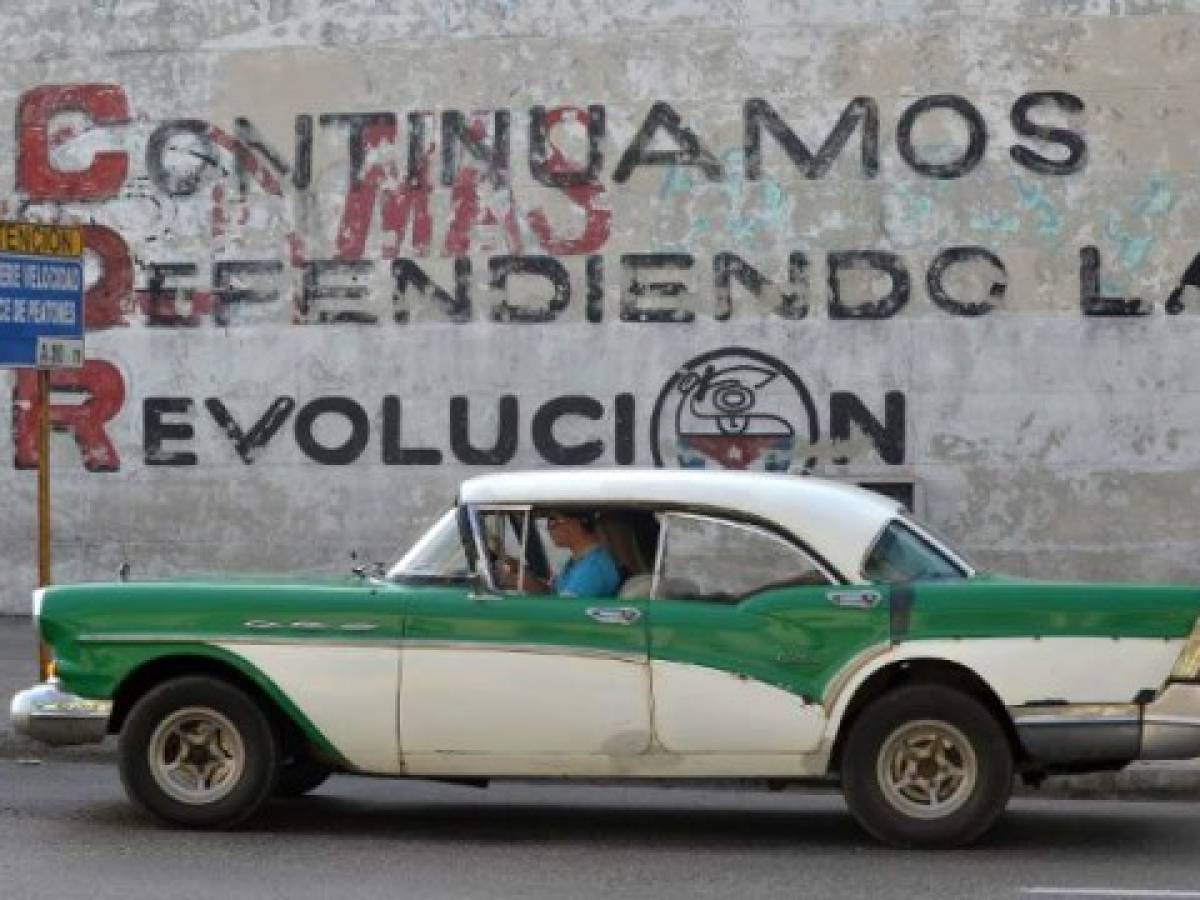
47	714
1078	735
1171	724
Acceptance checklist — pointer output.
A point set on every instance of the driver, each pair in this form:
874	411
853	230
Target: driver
591	570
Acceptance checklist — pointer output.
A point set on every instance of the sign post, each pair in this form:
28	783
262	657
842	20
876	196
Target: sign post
41	326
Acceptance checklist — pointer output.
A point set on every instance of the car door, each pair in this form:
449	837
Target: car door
507	681
746	631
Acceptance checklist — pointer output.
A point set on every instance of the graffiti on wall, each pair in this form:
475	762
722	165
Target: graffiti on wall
233	230
739	408
734	407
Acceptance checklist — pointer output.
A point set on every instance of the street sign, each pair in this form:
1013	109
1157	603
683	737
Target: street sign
41	295
41	326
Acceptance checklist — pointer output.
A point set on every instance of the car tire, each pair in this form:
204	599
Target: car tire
198	752
299	776
927	766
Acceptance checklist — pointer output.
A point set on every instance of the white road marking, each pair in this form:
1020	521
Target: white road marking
1106	892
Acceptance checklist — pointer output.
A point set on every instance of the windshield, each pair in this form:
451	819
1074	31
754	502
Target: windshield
901	554
437	556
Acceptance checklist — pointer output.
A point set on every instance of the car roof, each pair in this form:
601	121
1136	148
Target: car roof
839	521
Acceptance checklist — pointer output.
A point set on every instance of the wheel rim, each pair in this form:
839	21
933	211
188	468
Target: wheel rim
196	755
927	769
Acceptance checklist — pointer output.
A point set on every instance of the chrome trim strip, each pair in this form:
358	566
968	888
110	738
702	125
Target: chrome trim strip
842	677
541	649
664	529
526	522
544	649
1076	723
939	544
266	624
481	551
1076	714
1158	719
185	638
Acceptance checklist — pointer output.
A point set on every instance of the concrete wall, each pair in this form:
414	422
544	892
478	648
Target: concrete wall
345	254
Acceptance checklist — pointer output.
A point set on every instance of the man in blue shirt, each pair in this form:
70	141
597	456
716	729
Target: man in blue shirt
590	572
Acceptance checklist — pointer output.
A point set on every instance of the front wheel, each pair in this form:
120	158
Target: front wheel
199	752
927	766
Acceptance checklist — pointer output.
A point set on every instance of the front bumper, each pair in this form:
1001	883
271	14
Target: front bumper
46	713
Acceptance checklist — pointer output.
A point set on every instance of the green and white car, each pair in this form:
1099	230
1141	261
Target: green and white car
768	627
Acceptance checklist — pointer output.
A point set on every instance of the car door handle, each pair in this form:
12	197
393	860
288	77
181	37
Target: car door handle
614	615
855	599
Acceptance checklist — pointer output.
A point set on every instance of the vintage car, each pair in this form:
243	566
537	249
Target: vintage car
765	627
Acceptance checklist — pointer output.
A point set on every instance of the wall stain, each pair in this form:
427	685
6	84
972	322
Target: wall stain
749	213
1133	231
1033	199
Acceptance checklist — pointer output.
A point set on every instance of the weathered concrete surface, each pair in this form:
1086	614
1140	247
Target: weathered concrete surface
272	189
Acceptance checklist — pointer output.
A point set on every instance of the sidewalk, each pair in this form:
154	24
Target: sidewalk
18	670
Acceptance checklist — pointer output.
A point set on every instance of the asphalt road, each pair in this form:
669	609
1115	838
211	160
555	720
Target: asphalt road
67	831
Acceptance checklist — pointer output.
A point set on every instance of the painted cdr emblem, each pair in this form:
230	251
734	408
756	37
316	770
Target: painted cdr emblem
733	408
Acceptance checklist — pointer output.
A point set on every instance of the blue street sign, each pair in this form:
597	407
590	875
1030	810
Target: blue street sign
41	308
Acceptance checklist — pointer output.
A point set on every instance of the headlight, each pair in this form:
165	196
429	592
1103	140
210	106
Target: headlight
1187	667
38	596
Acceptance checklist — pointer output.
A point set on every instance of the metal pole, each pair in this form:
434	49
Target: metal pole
43	502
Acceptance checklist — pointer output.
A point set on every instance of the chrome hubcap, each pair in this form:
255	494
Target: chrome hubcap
196	755
927	769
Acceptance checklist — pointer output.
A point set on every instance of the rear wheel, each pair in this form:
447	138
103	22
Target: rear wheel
198	751
927	766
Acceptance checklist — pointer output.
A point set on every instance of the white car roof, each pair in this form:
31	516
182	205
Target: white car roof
839	521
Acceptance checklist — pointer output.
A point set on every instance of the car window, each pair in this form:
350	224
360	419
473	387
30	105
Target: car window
714	560
900	554
928	531
438	555
555	557
503	532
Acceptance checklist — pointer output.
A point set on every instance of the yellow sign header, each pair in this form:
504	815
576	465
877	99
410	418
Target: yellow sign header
34	239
